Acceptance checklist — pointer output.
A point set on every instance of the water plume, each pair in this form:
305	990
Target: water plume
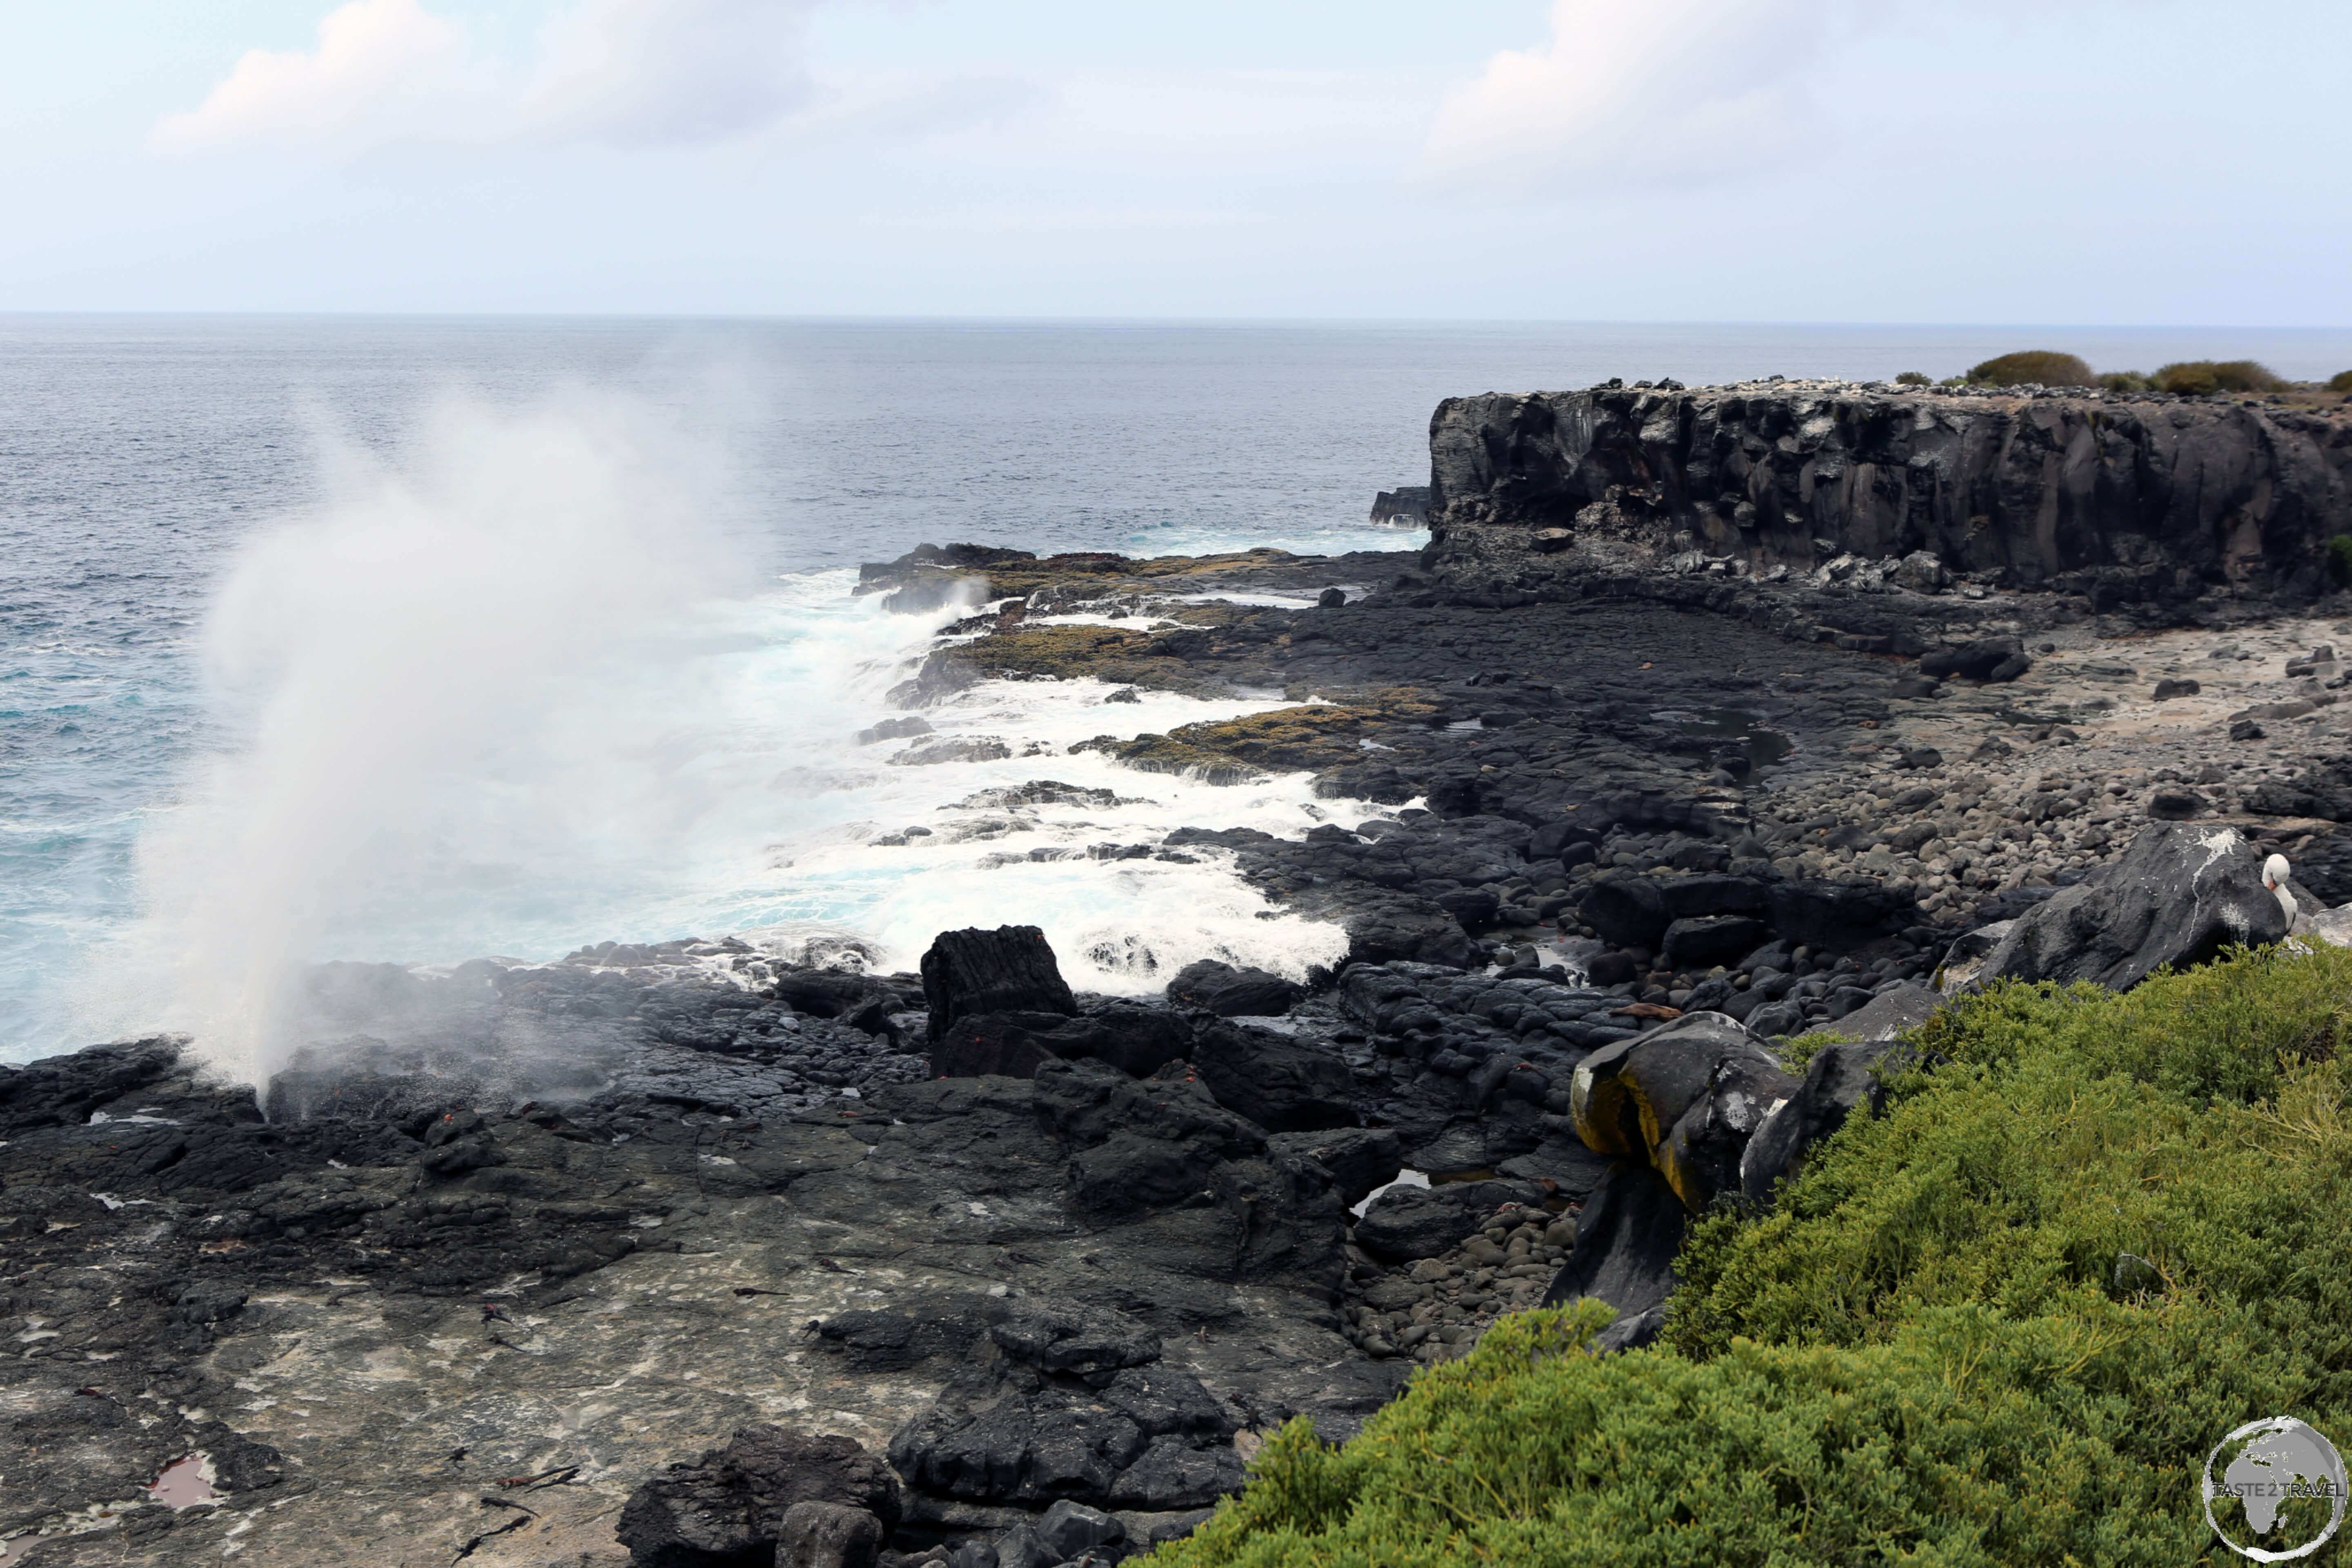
466	676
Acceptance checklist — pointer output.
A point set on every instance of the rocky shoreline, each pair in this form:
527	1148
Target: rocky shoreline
583	1263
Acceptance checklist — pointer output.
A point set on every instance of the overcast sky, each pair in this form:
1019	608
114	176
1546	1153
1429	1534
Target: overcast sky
1914	160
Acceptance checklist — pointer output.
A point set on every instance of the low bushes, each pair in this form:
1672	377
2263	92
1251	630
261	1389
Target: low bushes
2340	382
2003	1323
2041	367
2202	377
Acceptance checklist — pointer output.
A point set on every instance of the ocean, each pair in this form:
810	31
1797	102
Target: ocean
415	640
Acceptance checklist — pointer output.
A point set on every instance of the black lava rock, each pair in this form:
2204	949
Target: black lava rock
1231	993
731	1504
1626	1239
2177	896
1009	970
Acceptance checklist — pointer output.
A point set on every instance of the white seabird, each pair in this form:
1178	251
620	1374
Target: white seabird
2275	872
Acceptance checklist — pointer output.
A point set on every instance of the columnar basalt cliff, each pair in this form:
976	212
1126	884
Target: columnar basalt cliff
2129	500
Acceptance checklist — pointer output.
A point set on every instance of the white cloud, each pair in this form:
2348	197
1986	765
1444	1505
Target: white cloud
389	75
1633	93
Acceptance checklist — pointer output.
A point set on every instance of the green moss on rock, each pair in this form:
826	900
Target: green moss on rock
1311	737
1069	652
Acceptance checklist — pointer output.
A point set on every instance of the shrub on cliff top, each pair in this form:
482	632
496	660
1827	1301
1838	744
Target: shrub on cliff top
2040	367
2340	382
2196	378
2003	1323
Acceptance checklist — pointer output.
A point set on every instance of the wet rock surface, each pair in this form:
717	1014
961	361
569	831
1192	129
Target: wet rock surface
554	1263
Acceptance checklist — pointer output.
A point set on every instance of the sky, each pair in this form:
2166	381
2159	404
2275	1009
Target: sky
2092	162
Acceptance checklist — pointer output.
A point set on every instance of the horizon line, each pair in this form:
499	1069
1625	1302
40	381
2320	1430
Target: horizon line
864	319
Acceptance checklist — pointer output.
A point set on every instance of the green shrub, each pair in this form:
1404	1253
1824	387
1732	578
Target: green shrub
2001	1325
1912	378
2124	381
2196	378
2339	557
2040	367
2340	382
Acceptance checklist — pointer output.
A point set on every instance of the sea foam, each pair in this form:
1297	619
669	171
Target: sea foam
523	688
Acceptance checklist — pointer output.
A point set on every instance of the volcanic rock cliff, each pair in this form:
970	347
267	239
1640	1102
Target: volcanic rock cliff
2145	501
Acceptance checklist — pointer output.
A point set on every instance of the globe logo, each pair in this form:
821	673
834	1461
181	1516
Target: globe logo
2274	1490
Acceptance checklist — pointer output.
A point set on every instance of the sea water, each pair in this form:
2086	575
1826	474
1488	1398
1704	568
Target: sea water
409	640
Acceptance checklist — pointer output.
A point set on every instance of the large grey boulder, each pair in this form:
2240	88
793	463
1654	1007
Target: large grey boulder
1624	1255
1894	1011
1838	1079
2180	893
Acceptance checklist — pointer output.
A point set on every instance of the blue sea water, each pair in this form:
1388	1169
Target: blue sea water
247	647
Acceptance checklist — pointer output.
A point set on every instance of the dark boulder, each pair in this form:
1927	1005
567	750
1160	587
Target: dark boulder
1012	1430
1374	782
1385	927
1892	1012
1006	1044
1626	1239
1626	1097
1987	658
1361	1159
1072	1529
728	1507
1838	1079
1627	909
1553	839
1838	911
1161	1153
457	1142
1135	1038
1713	893
1475	908
1700	941
2322	790
1700	1158
1138	1040
1284	1083
857	1000
1089	1343
1009	970
827	1535
1606	969
905	1334
2178	895
1231	993
61	1091
1086	1103
1407	1223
